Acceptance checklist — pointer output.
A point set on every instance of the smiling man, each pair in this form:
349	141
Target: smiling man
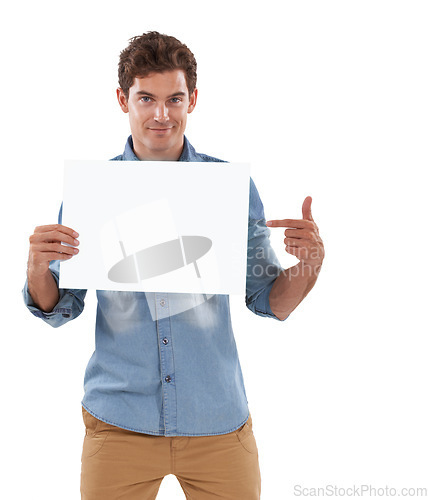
158	105
165	394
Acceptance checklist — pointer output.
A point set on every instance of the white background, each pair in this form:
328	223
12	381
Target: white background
324	98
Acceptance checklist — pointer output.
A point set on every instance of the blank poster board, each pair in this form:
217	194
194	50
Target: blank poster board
155	226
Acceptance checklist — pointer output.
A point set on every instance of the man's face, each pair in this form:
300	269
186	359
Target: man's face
158	105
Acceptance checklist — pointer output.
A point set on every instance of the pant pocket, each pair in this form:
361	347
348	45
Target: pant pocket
95	435
246	437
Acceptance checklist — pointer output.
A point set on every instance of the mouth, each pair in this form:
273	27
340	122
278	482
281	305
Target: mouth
160	130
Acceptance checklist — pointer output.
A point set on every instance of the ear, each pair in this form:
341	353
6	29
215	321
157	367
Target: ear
123	101
192	101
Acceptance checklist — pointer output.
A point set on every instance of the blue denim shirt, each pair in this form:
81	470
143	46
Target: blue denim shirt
178	373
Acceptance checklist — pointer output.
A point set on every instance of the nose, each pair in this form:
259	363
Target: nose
161	113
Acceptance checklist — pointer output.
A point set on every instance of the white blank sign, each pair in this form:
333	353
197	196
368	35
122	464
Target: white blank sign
156	226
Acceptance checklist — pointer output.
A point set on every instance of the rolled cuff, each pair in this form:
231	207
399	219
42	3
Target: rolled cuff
261	306
69	306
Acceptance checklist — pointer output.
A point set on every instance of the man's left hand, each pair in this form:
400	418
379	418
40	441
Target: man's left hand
302	239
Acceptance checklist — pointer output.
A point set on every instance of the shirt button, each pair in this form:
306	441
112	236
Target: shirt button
167	378
165	341
162	302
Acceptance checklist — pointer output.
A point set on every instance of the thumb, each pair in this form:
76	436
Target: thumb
306	208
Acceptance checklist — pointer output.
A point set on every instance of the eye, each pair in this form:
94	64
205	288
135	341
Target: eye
176	99
146	98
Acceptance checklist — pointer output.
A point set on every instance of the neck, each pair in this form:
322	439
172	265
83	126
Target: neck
145	154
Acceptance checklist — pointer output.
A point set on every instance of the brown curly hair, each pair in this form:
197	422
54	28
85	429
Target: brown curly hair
153	52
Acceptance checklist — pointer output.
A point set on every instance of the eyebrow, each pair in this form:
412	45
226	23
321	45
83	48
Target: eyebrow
144	92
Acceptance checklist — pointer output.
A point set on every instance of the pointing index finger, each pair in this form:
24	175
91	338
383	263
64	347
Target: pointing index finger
295	223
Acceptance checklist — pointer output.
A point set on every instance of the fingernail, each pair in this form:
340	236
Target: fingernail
75	234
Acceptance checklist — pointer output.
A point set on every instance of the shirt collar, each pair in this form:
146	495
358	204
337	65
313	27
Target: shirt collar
188	153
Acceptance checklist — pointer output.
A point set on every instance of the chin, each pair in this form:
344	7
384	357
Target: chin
159	146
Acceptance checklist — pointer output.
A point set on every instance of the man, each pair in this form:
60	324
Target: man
165	394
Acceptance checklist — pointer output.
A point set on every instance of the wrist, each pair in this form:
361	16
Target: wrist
38	272
310	268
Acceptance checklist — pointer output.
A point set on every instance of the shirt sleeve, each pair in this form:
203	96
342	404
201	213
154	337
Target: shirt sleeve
263	266
70	304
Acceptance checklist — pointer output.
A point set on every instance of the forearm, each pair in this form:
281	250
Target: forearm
291	287
43	290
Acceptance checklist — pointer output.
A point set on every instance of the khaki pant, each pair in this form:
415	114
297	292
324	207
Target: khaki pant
126	465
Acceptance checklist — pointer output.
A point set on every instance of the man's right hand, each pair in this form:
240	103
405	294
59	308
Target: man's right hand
45	245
